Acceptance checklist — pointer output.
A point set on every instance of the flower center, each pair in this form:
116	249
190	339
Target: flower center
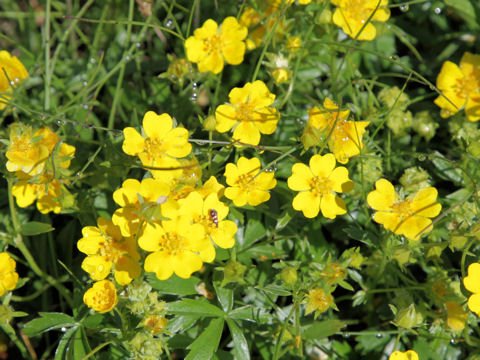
213	44
173	243
154	148
403	209
111	249
244	111
466	86
320	186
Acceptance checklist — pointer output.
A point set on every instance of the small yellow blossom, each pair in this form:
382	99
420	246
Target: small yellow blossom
409	217
456	316
460	86
293	43
101	297
318	185
352	15
12	72
176	246
46	191
140	202
281	75
211	214
107	249
344	136
247	185
211	45
29	150
249	111
8	275
407	355
318	301
472	284
304	2
161	147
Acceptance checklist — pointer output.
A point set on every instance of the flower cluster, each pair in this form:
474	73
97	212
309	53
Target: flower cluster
12	72
409	217
460	86
40	161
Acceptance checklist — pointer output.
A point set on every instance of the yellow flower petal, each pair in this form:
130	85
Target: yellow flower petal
472	280
425	203
157	126
225	117
134	142
308	203
322	166
383	197
301	177
332	205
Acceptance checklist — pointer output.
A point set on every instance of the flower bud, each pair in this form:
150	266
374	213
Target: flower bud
408	318
289	275
233	272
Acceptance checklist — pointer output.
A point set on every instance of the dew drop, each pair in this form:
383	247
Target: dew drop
421	157
17	80
194	85
438	10
137	44
85	106
63	329
127	58
59	122
85	83
168	24
12	82
346	336
93	61
404	8
393	57
194	96
362	21
452	341
78	174
432	87
379	336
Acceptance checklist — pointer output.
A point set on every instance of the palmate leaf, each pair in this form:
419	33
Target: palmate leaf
47	322
206	344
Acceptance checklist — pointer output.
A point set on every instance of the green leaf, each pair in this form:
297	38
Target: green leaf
78	346
240	345
322	329
35	228
174	285
224	296
194	307
465	9
254	231
283	220
61	352
47	322
275	290
447	168
206	344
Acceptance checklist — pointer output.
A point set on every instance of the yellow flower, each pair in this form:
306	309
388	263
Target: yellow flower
293	43
12	72
409	217
472	284
8	275
211	46
281	75
304	2
318	301
456	316
318	185
106	248
177	246
247	185
344	136
160	147
101	297
249	111
351	16
211	214
460	86
408	355
46	191
140	202
29	151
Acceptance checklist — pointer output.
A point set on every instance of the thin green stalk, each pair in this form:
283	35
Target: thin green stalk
282	331
8	329
118	89
48	72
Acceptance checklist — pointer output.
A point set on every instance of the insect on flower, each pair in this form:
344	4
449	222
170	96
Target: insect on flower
214	216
